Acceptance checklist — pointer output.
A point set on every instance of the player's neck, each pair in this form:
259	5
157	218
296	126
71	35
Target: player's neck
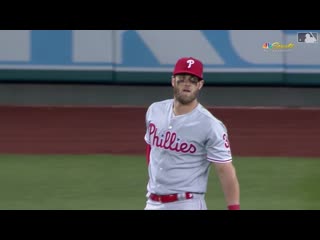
180	109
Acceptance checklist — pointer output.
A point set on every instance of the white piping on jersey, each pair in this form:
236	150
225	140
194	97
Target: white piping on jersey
220	161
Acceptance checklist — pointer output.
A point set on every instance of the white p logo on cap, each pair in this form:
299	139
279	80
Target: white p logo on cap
190	62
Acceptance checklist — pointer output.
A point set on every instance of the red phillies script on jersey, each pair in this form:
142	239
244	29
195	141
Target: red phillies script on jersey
169	141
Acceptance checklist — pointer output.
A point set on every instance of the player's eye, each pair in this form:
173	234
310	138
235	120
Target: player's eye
194	80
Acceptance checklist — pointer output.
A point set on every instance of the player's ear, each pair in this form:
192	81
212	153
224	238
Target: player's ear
172	81
201	84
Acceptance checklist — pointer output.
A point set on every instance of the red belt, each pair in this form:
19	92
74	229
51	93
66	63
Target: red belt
170	197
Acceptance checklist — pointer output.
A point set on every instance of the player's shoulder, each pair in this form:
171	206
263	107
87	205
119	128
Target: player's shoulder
209	117
162	103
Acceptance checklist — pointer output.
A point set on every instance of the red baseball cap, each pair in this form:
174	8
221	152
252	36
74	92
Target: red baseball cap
189	65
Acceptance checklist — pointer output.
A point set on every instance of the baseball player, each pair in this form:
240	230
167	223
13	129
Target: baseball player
183	140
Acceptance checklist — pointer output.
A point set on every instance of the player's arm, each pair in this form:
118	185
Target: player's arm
229	183
219	153
148	150
147	137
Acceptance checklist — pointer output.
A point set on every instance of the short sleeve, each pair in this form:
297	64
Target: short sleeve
218	145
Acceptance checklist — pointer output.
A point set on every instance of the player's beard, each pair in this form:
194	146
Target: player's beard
183	98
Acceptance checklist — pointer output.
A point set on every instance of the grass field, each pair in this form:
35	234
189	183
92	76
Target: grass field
109	182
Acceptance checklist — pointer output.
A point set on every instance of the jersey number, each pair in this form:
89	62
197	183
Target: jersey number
226	141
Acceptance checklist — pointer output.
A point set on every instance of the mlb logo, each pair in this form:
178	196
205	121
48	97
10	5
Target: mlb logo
308	37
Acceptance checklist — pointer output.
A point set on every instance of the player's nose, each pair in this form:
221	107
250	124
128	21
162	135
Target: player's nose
187	81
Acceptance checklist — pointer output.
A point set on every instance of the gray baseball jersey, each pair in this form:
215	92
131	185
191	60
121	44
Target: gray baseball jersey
182	148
